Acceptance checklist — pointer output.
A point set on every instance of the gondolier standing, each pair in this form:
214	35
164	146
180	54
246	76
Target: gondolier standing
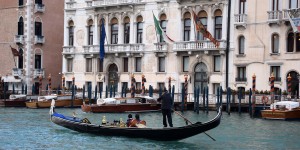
166	104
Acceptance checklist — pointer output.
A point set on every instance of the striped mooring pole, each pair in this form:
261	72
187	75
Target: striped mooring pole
272	80
132	86
185	90
169	84
289	78
40	84
49	84
63	78
253	94
73	80
143	84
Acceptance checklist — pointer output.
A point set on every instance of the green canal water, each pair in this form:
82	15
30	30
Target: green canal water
22	128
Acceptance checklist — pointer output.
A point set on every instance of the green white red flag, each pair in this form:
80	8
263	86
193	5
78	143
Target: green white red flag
161	32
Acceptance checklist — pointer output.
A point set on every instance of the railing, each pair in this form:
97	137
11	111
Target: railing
240	79
39	8
115	2
17	72
240	18
68	49
274	15
161	47
39	39
19	39
285	13
70	4
39	72
197	45
115	48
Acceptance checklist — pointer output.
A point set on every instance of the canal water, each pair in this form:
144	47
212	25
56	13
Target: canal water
22	128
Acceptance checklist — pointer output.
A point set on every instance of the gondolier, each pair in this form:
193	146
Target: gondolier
166	104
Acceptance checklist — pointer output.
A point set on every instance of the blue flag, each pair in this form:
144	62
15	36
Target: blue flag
102	38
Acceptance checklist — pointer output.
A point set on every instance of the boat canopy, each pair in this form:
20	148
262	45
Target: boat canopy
48	97
16	96
287	104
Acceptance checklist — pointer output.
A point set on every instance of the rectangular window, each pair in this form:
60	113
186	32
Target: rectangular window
39	1
38	28
114	33
126	33
71	36
69	65
69	84
138	64
242	7
100	65
88	65
90	34
215	86
293	4
276	71
241	74
217	63
161	85
185	63
275	5
38	61
204	22
125	64
218	27
139	32
161	64
187	29
138	85
21	2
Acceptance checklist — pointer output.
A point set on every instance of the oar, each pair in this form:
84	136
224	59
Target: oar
187	120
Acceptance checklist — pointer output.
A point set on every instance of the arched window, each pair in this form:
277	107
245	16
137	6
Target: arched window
20	60
90	32
218	24
126	30
21	26
71	33
275	43
139	38
203	18
163	24
241	45
293	42
187	26
114	31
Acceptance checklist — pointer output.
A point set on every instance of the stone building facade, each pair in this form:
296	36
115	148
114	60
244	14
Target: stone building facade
132	45
35	29
265	43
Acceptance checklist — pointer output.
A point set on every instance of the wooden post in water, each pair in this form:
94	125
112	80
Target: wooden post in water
206	99
195	99
143	84
182	99
40	84
110	91
100	91
49	84
221	96
173	90
254	94
96	94
106	91
132	86
218	98
203	99
228	99
250	103
272	80
198	96
63	78
240	98
83	94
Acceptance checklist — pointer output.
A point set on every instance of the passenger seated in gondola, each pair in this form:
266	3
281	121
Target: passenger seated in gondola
129	120
137	122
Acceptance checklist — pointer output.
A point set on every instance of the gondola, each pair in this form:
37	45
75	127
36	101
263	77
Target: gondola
159	134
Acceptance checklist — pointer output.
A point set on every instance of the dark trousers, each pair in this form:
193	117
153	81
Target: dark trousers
167	113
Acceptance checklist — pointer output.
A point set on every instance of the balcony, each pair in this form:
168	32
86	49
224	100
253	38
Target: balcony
285	13
68	49
127	49
241	79
274	17
206	46
39	8
16	72
70	5
38	72
19	39
107	3
240	20
39	39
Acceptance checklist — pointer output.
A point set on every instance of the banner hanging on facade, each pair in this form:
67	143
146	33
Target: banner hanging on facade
294	17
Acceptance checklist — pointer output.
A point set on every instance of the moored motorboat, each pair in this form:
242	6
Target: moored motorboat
160	134
118	105
283	110
15	100
61	101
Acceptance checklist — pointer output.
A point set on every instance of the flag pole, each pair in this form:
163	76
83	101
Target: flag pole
156	34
